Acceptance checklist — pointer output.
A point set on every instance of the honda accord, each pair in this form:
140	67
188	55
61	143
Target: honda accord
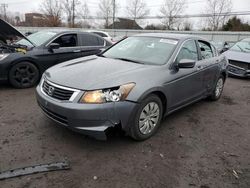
133	84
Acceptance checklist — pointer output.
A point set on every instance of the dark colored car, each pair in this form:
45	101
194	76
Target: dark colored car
133	84
239	59
31	56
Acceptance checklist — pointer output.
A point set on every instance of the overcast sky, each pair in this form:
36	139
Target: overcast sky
194	6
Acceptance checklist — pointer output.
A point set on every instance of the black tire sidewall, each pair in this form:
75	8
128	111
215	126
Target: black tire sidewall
134	130
14	83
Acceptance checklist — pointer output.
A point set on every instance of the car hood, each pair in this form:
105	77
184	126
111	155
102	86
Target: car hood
237	56
93	72
8	31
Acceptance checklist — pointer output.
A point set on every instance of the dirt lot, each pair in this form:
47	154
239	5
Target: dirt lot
199	146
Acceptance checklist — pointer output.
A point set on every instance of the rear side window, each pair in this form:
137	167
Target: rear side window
91	40
69	40
206	50
188	51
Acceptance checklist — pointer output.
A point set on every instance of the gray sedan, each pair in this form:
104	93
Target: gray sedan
133	84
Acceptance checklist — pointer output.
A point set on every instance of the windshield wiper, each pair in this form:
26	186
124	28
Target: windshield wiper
240	48
130	60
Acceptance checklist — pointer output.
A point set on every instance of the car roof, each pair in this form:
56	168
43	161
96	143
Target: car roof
171	36
67	31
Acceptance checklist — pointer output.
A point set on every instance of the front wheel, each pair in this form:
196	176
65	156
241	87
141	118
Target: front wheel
147	119
218	89
23	75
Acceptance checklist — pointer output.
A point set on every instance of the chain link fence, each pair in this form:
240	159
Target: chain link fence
209	35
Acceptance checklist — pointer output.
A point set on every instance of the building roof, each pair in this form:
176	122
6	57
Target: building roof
123	23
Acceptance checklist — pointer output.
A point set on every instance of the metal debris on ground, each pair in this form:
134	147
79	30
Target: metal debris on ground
235	174
34	169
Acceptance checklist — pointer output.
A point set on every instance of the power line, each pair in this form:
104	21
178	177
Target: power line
239	13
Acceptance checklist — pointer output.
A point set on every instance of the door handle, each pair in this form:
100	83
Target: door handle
77	51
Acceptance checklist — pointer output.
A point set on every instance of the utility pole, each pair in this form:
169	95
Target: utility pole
4	7
73	17
114	7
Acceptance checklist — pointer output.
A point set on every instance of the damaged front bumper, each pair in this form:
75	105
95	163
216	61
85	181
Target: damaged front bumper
90	119
238	71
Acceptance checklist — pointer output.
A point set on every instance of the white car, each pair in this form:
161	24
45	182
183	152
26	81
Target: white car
104	35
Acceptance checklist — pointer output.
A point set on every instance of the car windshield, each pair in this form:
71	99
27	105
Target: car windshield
146	50
242	46
37	38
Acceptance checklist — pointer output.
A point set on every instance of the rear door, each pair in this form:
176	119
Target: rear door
91	44
209	64
187	83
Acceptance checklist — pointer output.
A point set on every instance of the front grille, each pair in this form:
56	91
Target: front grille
56	117
240	64
56	92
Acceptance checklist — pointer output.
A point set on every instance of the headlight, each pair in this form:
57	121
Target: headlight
107	95
3	56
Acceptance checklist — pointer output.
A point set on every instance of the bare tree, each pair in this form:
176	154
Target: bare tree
170	11
219	10
137	9
84	14
70	8
52	11
106	11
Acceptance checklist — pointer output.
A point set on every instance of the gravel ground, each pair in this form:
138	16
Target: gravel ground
199	146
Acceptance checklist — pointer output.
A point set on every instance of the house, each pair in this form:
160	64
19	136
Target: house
123	23
35	20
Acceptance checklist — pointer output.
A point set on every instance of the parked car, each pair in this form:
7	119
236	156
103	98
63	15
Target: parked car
239	58
22	63
134	84
222	46
104	35
118	38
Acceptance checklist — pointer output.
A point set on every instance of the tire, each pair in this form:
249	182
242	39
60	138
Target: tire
216	94
144	128
23	75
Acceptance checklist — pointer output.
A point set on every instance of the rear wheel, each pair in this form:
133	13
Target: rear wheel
218	89
24	75
148	118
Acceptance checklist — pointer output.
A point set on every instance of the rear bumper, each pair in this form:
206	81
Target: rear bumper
237	71
89	119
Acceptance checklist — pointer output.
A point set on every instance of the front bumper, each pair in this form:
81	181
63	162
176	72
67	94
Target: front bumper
89	119
238	71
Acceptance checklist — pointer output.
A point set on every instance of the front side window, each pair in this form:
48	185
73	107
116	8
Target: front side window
206	50
69	40
188	51
146	50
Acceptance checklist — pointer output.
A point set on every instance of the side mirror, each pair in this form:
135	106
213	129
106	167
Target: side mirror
186	63
54	46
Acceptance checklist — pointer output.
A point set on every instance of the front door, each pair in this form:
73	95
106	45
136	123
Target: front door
186	85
